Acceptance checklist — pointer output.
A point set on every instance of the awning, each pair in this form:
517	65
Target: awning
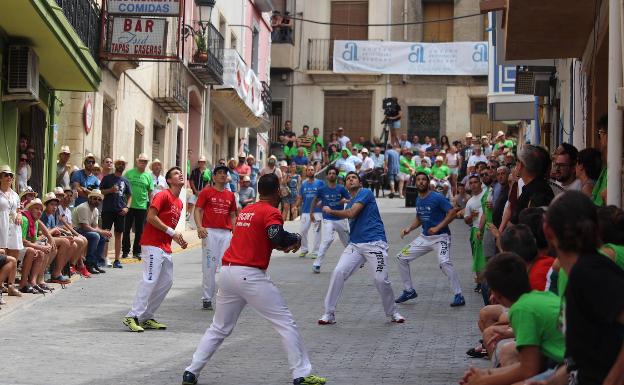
503	107
236	111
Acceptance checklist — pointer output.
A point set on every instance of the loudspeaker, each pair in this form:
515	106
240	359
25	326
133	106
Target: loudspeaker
410	196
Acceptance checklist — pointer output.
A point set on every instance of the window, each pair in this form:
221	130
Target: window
351	110
233	41
276	117
350	12
255	38
158	139
107	130
440	31
423	121
138	139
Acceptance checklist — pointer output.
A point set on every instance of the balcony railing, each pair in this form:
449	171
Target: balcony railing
84	16
320	54
207	60
267	100
172	94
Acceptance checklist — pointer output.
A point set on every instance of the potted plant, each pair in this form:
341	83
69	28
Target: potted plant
201	49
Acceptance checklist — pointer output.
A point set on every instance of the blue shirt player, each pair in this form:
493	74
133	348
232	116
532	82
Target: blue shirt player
367	244
307	192
333	196
433	213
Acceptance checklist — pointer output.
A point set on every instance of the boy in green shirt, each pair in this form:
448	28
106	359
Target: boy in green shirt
141	185
424	167
534	319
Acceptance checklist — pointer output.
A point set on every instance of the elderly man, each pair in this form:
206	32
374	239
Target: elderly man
254	170
347	162
368	165
403	142
242	168
85	218
63	168
141	185
157	178
271	167
247	194
117	201
377	157
533	166
83	181
477	156
63	217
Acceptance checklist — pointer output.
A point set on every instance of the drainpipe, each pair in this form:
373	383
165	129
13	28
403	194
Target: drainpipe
614	147
388	38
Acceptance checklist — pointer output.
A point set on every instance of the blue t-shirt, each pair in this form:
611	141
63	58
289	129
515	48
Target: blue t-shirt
50	221
300	160
235	179
393	161
331	197
308	191
367	226
91	182
431	210
115	202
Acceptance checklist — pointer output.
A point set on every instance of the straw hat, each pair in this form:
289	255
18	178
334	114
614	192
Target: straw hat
120	159
143	157
469	135
96	193
5	169
34	202
201	159
27	191
439	159
499	134
50	197
59	191
246	178
64	150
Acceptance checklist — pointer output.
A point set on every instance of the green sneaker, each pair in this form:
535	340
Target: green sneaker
310	380
153	324
303	255
132	324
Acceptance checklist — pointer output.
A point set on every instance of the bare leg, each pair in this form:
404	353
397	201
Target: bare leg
27	264
62	255
117	245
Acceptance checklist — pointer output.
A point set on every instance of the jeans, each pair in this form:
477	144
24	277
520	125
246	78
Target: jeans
95	245
134	217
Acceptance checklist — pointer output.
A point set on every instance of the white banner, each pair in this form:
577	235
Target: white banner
238	76
142	37
144	7
407	58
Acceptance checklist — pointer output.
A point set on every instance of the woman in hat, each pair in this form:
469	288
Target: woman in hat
10	232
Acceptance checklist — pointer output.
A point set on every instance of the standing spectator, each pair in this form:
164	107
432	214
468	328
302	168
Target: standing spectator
291	152
500	195
392	117
342	139
564	166
84	181
404	143
254	170
317	138
363	143
10	223
460	199
117	202
85	218
107	166
157	178
533	165
377	157
63	168
23	173
306	140
22	144
486	146
588	167
466	153
287	136
502	143
476	156
453	162
271	167
310	216
293	181
200	177
247	194
242	168
233	177
391	167
141	185
472	217
406	169
318	155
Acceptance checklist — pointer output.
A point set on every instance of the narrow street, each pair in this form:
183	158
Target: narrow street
75	336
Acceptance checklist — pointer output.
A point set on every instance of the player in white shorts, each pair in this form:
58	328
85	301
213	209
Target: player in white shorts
162	217
215	212
310	215
244	281
334	196
367	244
434	213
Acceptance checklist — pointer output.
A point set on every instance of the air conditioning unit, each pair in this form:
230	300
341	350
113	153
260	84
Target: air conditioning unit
533	80
23	73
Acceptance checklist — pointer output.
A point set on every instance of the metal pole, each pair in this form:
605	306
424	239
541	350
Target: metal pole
614	147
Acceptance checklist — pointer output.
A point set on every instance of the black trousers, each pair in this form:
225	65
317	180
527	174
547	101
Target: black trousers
134	217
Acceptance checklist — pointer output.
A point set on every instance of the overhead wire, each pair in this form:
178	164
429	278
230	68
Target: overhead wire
382	24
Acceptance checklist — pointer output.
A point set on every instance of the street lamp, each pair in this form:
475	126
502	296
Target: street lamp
205	7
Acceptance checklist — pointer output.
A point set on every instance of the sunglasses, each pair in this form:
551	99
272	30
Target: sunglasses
90	161
23	159
96	199
8	175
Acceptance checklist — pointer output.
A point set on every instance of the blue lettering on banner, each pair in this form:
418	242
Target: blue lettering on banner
480	53
417	55
350	53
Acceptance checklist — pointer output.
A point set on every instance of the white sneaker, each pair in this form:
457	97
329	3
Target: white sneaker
398	318
327	319
109	263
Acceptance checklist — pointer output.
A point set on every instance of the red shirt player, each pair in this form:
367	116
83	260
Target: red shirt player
162	217
244	281
215	211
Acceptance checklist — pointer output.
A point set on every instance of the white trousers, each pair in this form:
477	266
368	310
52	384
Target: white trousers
239	286
154	285
441	246
354	255
316	230
341	227
213	247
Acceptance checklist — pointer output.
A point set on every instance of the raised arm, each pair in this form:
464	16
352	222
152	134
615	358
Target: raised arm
349	213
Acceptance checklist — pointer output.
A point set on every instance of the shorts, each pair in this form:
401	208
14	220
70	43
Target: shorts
403	176
290	199
391	177
110	219
396	124
454	171
3	260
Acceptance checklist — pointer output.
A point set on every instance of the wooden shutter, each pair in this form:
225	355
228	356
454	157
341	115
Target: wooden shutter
351	110
439	31
349	12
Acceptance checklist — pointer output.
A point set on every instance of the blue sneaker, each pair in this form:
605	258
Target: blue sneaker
316	269
458	301
117	265
189	378
406	295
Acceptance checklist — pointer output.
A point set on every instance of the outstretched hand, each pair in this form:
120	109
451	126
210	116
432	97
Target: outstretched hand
180	240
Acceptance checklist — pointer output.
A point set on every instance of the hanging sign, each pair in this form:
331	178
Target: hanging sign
238	76
138	37
145	7
408	58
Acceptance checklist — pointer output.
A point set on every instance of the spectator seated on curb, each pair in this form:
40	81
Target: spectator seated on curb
27	195
85	218
64	215
539	347
8	270
35	252
65	245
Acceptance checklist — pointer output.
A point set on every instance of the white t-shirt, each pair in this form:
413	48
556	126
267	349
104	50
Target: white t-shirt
343	141
66	214
84	214
367	164
474	203
474	159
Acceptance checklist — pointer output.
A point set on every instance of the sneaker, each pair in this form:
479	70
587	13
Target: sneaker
84	272
327	319
108	263
99	270
313	256
133	324
406	295
72	270
92	270
137	256
189	378
397	318
207	305
316	269
310	380
124	255
458	301
153	325
60	279
303	254
117	264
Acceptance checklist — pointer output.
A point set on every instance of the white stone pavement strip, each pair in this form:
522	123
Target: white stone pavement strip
75	336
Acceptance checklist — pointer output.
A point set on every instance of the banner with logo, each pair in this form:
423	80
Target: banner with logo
144	7
243	80
407	58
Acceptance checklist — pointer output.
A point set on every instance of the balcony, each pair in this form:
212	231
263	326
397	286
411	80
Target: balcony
207	61
321	64
84	16
172	88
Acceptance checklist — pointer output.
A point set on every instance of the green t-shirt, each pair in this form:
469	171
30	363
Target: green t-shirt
292	151
25	229
600	186
141	184
506	143
440	172
562	282
316	140
424	169
619	253
207	175
487	211
534	318
405	164
334	156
